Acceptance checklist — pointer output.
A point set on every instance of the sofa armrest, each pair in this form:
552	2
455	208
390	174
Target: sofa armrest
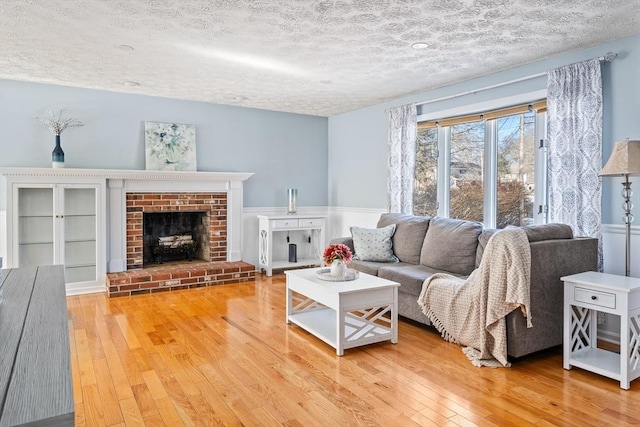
345	241
550	260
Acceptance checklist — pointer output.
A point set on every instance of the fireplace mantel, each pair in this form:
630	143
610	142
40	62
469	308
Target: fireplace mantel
117	183
142	175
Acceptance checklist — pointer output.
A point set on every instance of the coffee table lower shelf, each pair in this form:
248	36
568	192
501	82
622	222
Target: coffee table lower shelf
322	323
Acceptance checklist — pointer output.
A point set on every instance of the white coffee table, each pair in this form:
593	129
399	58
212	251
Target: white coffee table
343	314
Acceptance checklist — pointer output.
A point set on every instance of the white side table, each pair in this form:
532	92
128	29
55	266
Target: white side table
584	295
269	226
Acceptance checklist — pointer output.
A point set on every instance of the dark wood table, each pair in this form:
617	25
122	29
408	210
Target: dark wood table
35	366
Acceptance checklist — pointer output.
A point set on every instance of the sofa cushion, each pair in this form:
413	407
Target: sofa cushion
535	233
409	235
450	245
369	267
374	244
411	277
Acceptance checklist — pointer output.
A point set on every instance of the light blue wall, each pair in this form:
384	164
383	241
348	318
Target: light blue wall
358	139
283	150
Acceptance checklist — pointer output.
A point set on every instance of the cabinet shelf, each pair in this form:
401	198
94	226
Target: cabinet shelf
79	265
597	360
42	242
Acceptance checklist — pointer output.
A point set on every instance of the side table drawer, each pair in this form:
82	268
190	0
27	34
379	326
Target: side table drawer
285	223
602	299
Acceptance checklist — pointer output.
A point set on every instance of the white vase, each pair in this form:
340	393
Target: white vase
338	268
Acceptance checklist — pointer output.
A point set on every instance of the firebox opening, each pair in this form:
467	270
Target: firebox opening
173	236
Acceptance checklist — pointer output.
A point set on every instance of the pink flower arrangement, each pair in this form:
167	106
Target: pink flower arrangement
334	252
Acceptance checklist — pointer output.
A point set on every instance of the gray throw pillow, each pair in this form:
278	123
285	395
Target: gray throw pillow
450	245
374	244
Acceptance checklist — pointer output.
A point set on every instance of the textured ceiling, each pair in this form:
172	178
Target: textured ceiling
310	57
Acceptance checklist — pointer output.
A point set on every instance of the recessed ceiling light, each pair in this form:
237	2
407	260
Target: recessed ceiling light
420	45
240	98
131	83
125	47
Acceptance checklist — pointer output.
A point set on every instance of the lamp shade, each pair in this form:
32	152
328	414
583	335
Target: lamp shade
624	160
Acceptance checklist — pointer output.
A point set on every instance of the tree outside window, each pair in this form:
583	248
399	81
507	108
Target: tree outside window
466	189
516	167
425	193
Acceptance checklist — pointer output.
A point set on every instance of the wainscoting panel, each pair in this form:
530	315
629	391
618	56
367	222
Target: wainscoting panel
3	237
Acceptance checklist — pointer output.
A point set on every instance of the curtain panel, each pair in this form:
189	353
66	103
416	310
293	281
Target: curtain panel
402	158
574	132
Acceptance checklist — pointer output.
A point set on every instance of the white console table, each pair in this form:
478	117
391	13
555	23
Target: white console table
585	294
270	226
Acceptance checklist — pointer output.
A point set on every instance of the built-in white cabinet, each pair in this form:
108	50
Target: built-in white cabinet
59	222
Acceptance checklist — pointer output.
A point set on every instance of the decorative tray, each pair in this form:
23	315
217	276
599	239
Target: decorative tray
325	274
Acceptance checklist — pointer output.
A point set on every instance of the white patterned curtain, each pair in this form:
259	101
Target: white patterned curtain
574	131
402	155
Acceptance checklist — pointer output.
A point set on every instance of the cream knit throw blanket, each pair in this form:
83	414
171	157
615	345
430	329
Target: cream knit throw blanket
472	312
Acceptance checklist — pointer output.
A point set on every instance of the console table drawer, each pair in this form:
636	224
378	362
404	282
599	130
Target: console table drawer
311	222
602	299
285	223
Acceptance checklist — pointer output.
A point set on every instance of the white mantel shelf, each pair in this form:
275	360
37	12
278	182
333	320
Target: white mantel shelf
141	175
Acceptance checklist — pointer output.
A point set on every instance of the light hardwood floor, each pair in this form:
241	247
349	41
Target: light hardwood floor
225	356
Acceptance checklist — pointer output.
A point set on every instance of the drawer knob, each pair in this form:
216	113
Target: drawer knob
593	297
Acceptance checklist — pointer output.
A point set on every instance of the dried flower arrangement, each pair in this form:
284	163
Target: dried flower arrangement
57	123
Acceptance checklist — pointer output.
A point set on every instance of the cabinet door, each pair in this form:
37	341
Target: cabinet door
79	234
35	226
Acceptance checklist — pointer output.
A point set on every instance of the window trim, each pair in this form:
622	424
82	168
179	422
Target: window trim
494	104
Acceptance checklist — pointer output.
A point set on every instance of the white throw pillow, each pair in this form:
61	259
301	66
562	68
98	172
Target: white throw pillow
374	244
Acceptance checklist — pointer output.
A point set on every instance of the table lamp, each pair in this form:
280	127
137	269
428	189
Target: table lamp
625	162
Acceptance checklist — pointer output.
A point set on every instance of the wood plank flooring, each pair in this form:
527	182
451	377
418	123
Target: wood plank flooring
223	355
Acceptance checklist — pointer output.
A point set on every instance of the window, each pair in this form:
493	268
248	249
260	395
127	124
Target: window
515	169
425	191
484	167
466	171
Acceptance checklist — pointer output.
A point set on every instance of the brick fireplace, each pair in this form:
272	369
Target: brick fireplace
216	197
214	205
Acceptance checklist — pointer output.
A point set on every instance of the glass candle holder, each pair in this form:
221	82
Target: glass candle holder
292	205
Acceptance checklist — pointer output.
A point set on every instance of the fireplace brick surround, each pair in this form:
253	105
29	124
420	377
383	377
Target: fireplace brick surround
214	204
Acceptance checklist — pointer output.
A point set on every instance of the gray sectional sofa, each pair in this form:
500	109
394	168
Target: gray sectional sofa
425	246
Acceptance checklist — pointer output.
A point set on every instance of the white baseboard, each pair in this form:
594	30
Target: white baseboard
608	336
82	288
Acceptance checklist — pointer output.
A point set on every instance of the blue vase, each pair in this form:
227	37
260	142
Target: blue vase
57	156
